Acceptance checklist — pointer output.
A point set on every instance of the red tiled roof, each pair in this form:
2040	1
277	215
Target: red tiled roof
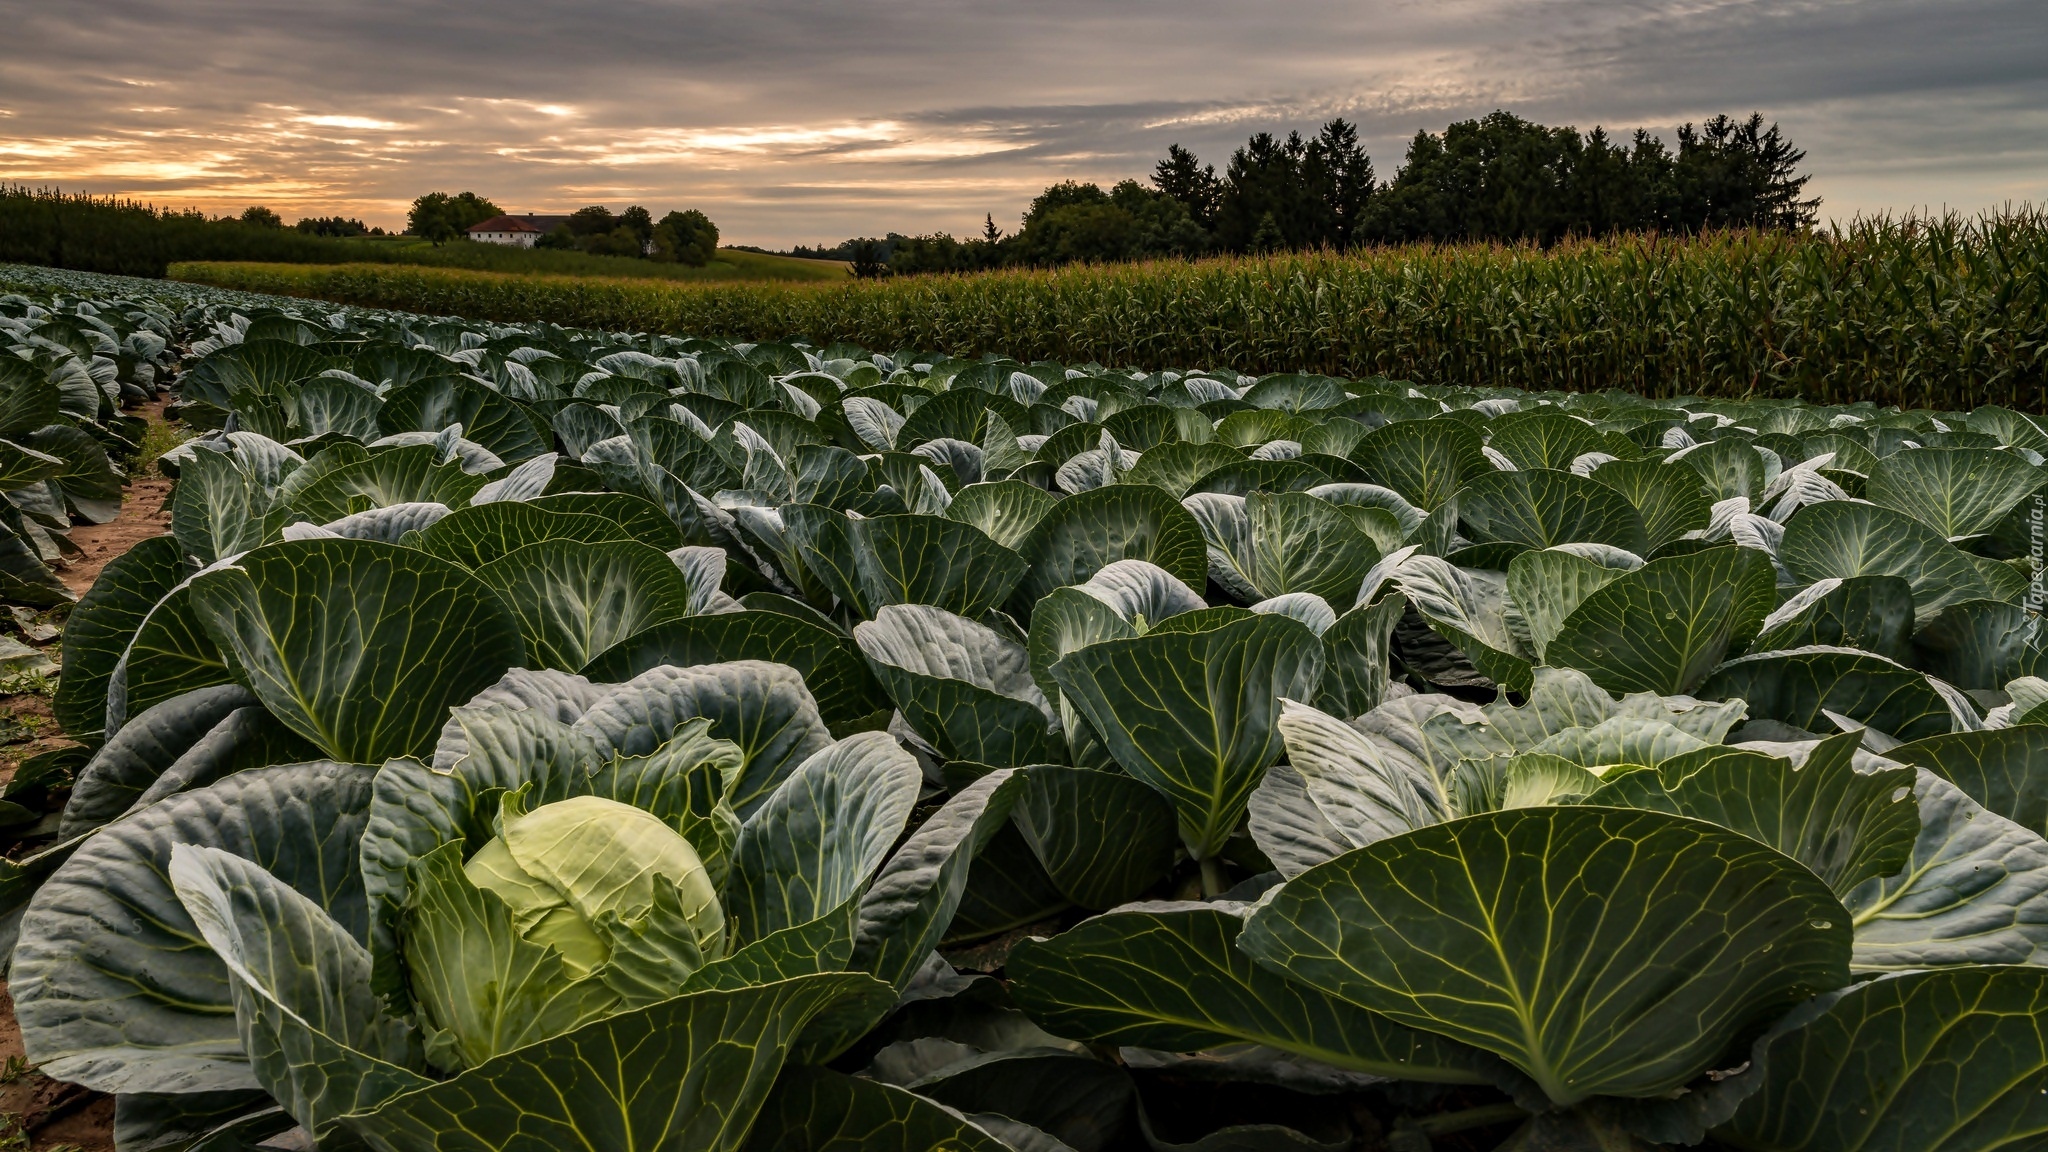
503	224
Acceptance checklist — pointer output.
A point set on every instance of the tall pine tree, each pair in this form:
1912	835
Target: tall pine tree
1189	181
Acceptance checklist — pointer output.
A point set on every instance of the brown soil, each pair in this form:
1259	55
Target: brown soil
54	1114
33	710
145	513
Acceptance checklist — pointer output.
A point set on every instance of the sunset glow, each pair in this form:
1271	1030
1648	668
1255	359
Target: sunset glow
813	122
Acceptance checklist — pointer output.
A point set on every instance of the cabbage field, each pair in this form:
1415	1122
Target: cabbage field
530	738
64	378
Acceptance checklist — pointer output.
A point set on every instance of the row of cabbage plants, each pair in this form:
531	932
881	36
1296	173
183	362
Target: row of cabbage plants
67	366
530	738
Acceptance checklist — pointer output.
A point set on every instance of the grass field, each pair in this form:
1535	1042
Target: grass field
729	264
1946	314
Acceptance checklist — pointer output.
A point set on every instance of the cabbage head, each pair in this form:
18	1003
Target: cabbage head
586	860
603	906
585	899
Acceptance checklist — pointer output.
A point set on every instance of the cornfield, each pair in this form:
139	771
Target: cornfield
1944	313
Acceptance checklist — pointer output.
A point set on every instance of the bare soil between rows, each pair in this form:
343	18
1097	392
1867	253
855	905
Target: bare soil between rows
54	1115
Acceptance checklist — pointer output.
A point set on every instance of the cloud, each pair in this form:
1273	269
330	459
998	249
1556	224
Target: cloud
357	122
803	120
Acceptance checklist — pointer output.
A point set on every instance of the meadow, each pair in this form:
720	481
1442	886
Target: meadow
1943	313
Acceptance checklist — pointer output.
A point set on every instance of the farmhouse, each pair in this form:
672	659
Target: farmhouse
505	230
518	230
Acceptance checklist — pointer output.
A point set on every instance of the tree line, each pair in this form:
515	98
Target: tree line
677	238
107	234
1498	178
437	217
332	226
56	229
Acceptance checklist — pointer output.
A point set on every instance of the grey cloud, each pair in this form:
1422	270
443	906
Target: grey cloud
798	120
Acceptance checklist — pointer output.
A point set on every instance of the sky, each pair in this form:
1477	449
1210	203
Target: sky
807	121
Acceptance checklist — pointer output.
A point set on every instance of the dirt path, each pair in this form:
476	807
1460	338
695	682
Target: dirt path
56	1116
145	512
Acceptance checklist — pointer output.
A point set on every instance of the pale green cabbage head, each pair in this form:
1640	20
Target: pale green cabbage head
568	868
